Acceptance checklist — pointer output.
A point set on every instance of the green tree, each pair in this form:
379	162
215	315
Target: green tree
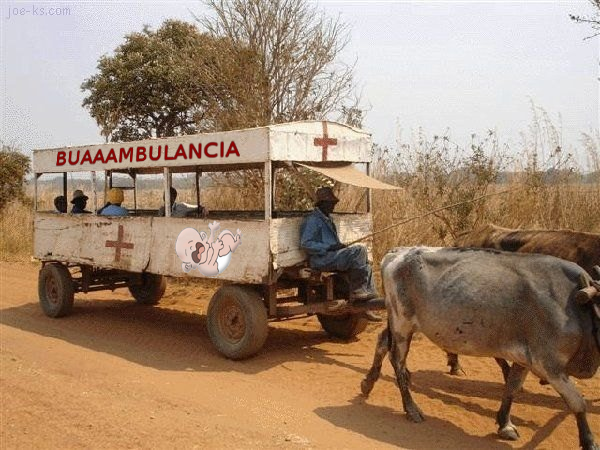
298	50
174	81
14	166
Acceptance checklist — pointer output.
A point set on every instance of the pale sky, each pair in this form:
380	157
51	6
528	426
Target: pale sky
467	66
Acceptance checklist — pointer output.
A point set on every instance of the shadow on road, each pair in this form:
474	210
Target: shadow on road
164	338
390	426
167	339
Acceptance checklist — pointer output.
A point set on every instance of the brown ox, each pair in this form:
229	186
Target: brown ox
578	247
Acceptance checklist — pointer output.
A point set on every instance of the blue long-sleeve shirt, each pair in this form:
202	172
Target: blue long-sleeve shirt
318	233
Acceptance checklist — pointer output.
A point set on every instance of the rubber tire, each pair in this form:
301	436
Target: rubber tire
151	291
227	306
343	326
55	290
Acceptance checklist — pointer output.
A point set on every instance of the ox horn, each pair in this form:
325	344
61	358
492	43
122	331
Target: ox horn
597	270
585	295
584	280
588	291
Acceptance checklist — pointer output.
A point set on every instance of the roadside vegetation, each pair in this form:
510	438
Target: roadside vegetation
253	62
544	189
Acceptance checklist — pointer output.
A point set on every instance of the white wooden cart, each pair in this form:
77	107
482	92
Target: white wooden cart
84	253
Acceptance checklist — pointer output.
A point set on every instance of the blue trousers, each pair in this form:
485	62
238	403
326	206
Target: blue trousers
353	260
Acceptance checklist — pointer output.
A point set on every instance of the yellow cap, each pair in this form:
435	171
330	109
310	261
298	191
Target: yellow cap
115	196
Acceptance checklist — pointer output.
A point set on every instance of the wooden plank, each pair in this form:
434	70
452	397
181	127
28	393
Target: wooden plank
268	181
167	191
105	242
251	144
296	142
83	240
94	193
116	243
249	263
35	191
336	307
285	236
283	142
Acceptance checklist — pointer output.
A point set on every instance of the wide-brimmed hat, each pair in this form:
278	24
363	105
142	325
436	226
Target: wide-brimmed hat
325	194
79	194
115	196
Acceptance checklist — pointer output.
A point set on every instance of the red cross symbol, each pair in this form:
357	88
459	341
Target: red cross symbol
119	244
325	141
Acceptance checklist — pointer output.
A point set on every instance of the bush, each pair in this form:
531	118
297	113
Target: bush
14	166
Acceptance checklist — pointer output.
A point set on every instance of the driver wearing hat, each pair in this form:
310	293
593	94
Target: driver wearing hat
319	238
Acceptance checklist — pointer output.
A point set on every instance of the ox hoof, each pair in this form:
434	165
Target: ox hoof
415	415
508	432
455	371
366	387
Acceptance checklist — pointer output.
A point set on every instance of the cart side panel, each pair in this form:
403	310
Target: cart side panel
251	145
249	262
285	236
304	141
117	243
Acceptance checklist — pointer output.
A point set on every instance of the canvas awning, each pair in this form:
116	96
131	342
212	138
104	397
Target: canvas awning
350	175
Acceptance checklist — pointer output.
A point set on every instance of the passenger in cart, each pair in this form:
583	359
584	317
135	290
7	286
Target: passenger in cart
79	202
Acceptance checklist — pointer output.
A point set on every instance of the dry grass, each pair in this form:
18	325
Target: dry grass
550	207
16	232
567	206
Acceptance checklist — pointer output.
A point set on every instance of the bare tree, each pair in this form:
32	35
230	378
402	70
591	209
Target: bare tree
594	20
298	47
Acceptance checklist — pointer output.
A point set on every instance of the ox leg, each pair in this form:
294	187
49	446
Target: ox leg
382	348
576	403
514	382
505	367
455	367
398	353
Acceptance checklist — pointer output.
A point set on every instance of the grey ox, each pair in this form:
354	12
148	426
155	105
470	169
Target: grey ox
519	307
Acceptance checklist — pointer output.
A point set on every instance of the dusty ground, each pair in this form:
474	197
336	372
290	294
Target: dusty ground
115	375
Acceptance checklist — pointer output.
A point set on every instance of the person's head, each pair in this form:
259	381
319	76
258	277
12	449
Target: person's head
326	199
115	196
79	199
173	193
60	203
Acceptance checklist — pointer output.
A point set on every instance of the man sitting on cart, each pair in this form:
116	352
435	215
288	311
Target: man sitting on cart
113	207
181	209
319	238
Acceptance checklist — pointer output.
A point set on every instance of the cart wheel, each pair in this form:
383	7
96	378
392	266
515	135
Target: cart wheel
343	326
55	290
150	291
237	321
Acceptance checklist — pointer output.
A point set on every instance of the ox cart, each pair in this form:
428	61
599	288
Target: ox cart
267	277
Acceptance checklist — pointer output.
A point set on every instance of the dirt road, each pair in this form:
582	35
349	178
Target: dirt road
116	375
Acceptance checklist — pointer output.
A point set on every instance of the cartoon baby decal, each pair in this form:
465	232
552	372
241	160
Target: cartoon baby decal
197	251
